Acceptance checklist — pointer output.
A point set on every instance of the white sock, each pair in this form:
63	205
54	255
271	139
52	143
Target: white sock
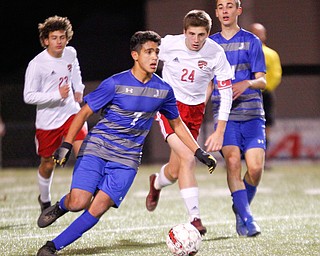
162	181
191	200
44	187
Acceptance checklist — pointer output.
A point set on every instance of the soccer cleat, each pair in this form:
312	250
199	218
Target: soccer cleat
198	225
47	250
253	228
154	194
43	205
50	215
240	225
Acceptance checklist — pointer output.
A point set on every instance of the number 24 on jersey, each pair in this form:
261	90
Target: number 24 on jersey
187	76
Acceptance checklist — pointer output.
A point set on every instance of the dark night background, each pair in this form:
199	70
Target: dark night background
102	30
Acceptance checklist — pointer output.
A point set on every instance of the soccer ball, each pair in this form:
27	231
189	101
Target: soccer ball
183	240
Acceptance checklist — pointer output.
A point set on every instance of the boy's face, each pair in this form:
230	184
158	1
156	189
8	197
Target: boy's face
56	42
147	59
195	37
227	12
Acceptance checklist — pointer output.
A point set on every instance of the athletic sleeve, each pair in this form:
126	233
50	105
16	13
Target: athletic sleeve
169	108
257	58
223	75
33	93
101	96
77	84
223	69
163	48
225	103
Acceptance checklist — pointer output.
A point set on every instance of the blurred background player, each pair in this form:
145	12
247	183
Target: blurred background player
2	133
245	131
191	60
2	128
110	155
273	77
53	83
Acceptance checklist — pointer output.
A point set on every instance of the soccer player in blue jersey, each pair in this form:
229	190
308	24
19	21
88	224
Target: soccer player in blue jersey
245	131
110	155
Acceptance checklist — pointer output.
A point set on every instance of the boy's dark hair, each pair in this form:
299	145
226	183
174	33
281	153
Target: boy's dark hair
141	37
197	18
53	24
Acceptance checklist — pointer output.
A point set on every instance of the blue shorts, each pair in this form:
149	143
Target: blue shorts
91	173
245	134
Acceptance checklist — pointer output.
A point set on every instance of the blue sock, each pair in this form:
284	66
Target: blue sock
251	191
82	224
241	204
61	204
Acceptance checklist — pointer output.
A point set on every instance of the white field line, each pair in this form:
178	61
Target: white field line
157	227
315	191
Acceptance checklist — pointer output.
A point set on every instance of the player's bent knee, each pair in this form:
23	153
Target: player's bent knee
233	163
75	205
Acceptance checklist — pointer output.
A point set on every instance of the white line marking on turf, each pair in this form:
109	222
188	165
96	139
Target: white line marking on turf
315	191
157	227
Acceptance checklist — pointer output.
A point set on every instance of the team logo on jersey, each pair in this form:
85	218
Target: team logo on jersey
157	94
241	46
53	72
202	64
224	84
176	59
69	67
129	90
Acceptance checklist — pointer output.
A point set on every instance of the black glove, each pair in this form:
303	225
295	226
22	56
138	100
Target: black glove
62	154
207	159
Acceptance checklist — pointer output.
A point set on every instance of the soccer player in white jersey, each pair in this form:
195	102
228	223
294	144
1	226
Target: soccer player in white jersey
53	83
191	61
110	155
245	131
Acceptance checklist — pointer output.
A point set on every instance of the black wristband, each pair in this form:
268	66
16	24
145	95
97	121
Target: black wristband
198	151
66	145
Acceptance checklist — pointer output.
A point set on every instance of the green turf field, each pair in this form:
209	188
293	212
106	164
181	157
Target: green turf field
287	208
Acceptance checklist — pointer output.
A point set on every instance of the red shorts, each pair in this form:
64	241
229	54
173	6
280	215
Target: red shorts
48	141
191	115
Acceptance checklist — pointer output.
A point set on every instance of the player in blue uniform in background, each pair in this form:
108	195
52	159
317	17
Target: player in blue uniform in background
245	131
110	155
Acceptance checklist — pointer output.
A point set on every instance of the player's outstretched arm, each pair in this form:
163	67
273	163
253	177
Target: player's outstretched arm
62	154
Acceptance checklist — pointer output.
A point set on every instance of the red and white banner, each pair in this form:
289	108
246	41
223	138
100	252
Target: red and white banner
295	139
